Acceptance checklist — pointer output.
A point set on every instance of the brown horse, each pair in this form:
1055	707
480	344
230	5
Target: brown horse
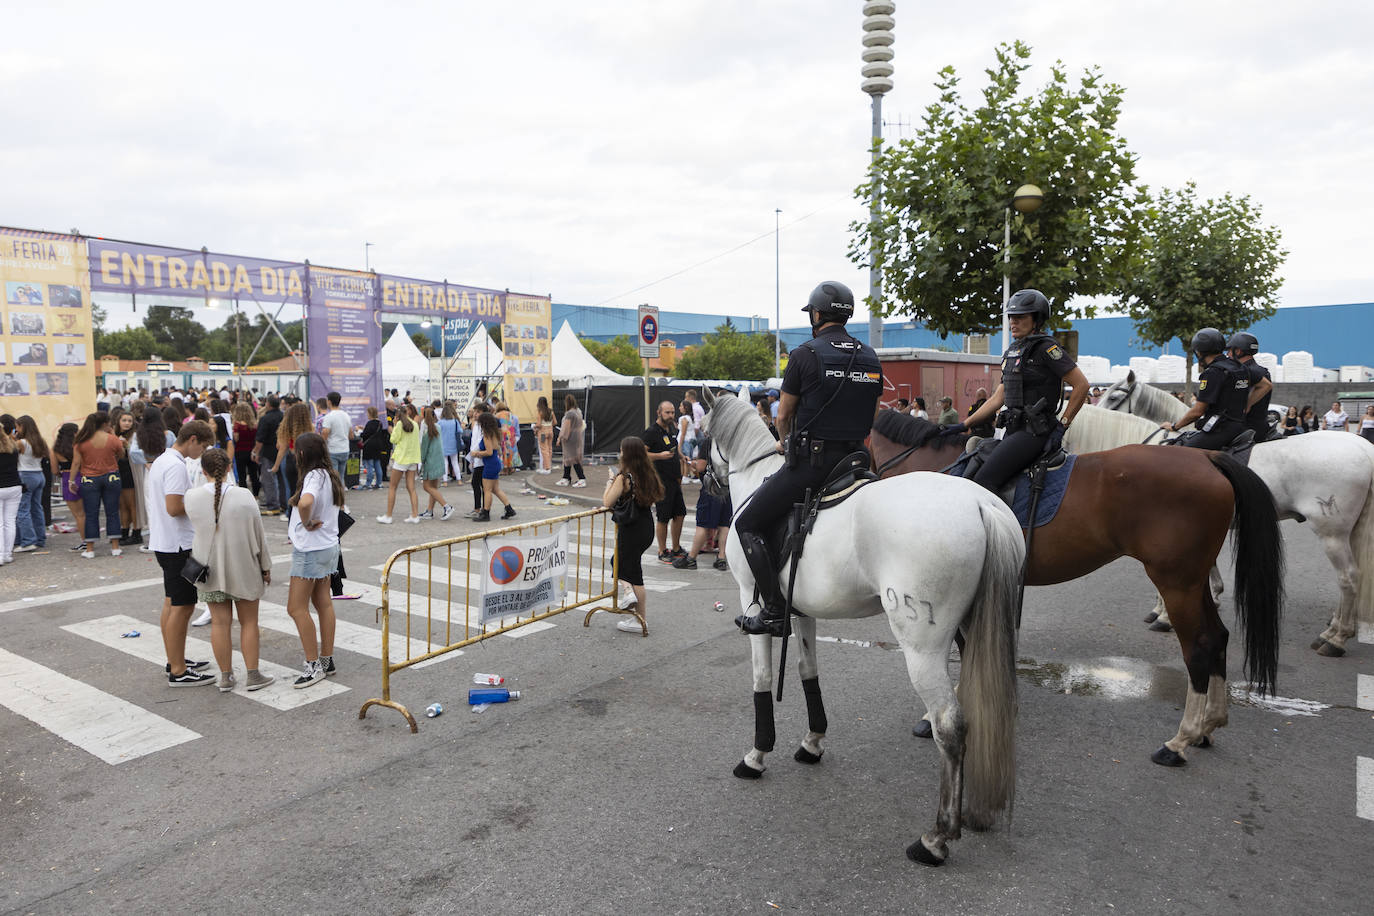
1169	508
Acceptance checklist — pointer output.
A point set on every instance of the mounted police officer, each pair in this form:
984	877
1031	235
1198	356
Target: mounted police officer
1223	391
1242	348
830	393
1035	370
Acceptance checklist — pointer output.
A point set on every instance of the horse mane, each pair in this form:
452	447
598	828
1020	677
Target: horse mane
904	429
1097	429
733	423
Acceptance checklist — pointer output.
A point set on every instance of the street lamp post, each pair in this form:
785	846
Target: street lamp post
1027	199
367	256
777	296
877	73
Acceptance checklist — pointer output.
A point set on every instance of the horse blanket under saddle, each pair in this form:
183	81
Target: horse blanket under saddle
1018	496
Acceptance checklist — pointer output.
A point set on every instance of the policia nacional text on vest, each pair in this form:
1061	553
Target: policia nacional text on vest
835	382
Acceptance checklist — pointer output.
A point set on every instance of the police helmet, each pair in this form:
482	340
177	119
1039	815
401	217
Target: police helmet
1247	344
1208	340
832	301
1029	302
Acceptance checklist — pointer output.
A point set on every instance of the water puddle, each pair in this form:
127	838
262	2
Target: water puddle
1112	677
1122	678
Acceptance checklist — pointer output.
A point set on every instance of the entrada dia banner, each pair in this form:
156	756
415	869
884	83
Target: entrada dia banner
126	267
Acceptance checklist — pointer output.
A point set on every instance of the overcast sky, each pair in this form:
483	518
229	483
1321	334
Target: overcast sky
586	150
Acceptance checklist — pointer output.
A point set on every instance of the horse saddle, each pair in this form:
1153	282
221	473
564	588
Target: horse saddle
1238	448
1053	469
844	480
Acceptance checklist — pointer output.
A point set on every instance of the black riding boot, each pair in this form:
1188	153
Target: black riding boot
773	619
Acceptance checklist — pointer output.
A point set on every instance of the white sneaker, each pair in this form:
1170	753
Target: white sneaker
630	625
561	482
686	480
88	554
384	519
448	512
116	552
627	598
413	520
201	619
580	483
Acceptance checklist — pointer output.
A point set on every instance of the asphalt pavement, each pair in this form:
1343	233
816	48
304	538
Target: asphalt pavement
607	787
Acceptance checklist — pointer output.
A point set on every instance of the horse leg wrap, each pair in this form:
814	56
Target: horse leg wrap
765	736
815	708
920	852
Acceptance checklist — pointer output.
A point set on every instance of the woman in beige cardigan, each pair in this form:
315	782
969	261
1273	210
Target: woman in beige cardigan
229	539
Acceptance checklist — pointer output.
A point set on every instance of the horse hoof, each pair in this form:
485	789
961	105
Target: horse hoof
1317	644
1204	741
1330	650
804	756
917	852
745	771
1160	626
1167	758
1152	617
923	729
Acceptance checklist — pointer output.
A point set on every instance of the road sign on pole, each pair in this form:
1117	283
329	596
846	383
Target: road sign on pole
648	331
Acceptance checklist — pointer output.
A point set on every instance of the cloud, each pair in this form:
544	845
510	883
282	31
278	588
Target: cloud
585	150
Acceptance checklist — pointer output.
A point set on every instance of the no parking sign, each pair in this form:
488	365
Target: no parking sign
648	331
522	576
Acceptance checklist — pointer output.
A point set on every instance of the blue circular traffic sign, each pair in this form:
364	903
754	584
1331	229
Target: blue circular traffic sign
648	329
506	563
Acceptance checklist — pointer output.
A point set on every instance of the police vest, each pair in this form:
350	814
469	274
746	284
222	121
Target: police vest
1025	377
1257	417
841	407
1235	389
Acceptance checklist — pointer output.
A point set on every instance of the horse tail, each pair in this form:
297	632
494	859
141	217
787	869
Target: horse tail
1362	545
1258	561
987	680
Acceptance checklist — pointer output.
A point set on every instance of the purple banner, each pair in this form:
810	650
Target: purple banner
124	267
344	339
404	294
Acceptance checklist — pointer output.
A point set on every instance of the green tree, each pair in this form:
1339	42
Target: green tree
272	347
129	343
1202	264
617	354
176	330
727	353
98	318
938	240
423	343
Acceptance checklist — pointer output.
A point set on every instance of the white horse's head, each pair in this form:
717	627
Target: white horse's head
1118	395
738	434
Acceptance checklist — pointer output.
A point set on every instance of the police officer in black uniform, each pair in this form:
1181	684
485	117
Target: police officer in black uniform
830	394
1034	371
1242	348
1223	390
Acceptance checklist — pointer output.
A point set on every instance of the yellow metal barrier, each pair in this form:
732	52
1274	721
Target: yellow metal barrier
590	535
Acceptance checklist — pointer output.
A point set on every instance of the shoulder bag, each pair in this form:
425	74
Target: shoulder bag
626	508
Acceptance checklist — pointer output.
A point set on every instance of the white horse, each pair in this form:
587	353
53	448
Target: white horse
933	553
1325	478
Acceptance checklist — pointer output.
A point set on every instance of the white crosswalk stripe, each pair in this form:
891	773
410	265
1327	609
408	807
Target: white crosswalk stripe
352	637
99	723
279	695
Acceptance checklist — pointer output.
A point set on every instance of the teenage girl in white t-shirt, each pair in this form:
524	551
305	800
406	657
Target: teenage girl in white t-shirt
314	533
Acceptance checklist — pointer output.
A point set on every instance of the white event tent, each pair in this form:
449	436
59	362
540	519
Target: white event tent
404	367
572	363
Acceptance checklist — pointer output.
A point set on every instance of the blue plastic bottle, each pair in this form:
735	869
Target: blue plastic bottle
478	695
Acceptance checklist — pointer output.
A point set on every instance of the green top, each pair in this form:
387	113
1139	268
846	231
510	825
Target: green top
405	446
432	452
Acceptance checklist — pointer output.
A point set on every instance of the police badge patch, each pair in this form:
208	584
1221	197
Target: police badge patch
1054	352
1201	385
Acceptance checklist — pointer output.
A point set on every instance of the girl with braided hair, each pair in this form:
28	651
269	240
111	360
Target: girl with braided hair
230	540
